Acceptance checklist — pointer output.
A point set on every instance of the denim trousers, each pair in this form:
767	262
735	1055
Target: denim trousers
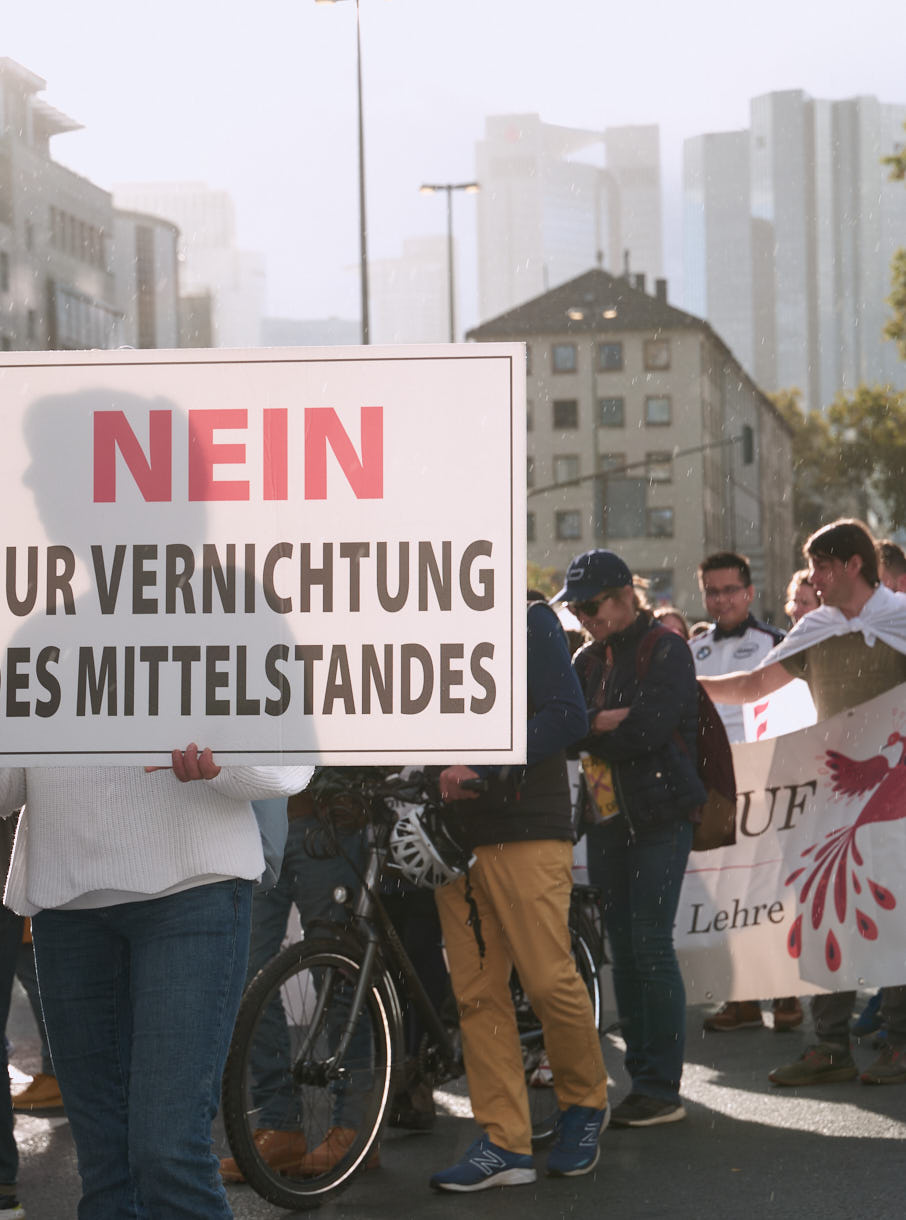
640	880
307	883
10	939
139	1001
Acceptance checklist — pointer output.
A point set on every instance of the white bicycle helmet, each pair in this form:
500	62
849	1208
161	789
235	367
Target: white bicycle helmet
423	849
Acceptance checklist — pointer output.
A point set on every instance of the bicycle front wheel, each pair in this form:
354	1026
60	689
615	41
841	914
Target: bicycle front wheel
284	1074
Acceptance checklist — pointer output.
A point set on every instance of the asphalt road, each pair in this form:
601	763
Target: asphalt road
746	1149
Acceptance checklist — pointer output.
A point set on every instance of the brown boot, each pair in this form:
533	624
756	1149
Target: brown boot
787	1013
735	1014
42	1094
336	1145
279	1149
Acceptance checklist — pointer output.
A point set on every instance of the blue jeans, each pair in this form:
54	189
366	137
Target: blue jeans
10	940
307	883
139	1001
640	881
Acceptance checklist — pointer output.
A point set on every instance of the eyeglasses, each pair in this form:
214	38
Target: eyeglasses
590	606
726	591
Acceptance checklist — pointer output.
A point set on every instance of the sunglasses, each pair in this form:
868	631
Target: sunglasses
590	606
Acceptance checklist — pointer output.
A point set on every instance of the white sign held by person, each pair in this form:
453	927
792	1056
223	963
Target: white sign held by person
812	896
286	555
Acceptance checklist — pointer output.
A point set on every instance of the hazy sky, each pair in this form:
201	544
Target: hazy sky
259	98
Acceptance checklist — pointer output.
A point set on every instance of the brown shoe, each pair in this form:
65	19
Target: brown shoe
735	1014
787	1013
336	1145
42	1094
279	1149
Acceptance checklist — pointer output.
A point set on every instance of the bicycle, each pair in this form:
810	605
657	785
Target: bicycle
318	1041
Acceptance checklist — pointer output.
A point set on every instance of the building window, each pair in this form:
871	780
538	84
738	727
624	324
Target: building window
529	417
659	467
566	413
568	523
4	271
611	461
610	357
657	411
659	523
660	585
528	359
611	413
31	326
530	472
657	353
530	527
564	358
5	343
566	468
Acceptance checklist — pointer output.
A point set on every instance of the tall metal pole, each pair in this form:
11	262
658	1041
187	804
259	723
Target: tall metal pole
449	190
363	224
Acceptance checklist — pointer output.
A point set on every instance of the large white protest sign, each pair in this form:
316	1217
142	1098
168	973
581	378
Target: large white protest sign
300	555
812	897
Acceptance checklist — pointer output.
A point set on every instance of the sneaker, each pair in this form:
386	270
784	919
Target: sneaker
787	1014
278	1149
576	1148
11	1208
869	1019
888	1068
485	1165
330	1152
735	1014
823	1063
640	1110
42	1094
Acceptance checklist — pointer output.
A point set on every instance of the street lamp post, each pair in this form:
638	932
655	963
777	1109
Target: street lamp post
430	188
363	224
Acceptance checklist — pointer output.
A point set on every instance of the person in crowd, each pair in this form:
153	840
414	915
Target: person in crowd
42	1094
10	940
138	883
737	640
643	717
801	597
673	620
851	649
307	881
892	565
520	881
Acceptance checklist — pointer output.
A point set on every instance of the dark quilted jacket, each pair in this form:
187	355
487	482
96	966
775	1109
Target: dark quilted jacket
655	780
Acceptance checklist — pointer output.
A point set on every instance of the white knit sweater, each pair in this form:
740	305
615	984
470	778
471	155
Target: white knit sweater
89	829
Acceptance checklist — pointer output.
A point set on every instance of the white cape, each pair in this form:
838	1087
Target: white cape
883	617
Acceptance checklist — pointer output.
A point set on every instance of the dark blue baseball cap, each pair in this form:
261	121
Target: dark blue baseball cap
591	573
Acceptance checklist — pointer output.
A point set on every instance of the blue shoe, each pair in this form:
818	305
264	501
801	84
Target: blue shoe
486	1165
576	1148
869	1020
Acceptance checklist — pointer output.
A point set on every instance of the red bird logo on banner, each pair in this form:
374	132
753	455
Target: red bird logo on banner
837	864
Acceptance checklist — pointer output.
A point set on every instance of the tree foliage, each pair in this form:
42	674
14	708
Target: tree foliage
545	580
851	460
896	326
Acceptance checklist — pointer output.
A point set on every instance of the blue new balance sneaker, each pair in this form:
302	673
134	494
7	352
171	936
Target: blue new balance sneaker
576	1149
486	1165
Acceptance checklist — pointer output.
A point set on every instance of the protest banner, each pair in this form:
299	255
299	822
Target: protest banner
312	555
812	895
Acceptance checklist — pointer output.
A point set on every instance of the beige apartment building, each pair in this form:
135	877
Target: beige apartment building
645	435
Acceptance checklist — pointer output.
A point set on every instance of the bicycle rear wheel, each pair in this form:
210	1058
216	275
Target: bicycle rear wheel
282	1075
543	1107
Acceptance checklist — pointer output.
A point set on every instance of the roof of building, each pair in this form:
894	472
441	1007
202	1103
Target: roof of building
595	301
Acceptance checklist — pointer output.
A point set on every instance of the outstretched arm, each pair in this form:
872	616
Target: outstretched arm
747	686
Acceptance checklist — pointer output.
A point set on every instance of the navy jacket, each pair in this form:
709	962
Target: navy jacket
655	780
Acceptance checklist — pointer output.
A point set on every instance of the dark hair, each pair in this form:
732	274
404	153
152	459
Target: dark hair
727	559
843	539
891	556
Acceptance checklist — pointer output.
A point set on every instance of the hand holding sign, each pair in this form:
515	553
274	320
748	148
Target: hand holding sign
191	764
